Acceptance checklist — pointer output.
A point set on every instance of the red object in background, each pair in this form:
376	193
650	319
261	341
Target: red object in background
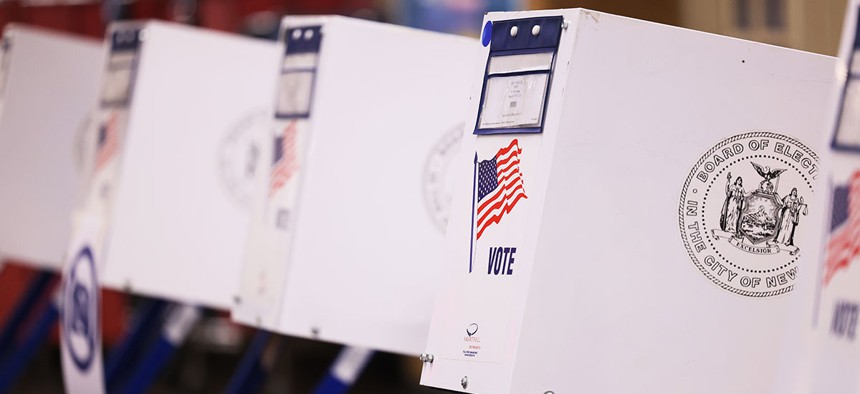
228	15
83	19
16	278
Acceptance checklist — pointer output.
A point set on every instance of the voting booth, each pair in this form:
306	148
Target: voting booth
48	83
180	115
347	225
822	348
632	206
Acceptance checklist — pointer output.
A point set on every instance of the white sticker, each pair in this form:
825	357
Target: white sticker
117	79
495	258
514	101
518	63
294	93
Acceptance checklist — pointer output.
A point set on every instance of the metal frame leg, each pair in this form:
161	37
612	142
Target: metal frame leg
345	370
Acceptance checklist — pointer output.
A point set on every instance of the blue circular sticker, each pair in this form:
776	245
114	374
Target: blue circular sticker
80	309
487	34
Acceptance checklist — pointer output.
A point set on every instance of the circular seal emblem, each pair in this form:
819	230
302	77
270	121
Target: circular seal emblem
80	309
742	212
239	154
437	182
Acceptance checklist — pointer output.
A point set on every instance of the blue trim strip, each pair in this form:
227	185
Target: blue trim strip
15	364
250	374
125	40
22	309
149	369
472	223
144	326
855	47
530	130
303	43
550	33
292	116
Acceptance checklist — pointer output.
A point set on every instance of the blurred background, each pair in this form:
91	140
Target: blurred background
811	25
209	358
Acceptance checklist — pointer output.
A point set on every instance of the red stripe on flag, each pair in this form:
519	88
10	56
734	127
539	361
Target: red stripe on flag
509	190
509	183
109	147
844	244
514	143
498	217
286	166
504	203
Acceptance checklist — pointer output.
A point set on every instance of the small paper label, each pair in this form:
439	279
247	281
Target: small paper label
116	86
514	101
294	93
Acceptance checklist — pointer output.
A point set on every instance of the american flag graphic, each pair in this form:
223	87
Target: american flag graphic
500	186
284	160
844	244
108	141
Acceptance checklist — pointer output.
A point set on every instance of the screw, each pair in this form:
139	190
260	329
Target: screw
426	357
465	381
565	24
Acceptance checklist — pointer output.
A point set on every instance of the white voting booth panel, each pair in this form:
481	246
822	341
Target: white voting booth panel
631	209
822	350
48	84
186	103
347	226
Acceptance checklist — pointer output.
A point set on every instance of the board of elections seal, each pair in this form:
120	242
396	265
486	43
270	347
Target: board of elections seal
743	210
80	310
436	181
239	153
